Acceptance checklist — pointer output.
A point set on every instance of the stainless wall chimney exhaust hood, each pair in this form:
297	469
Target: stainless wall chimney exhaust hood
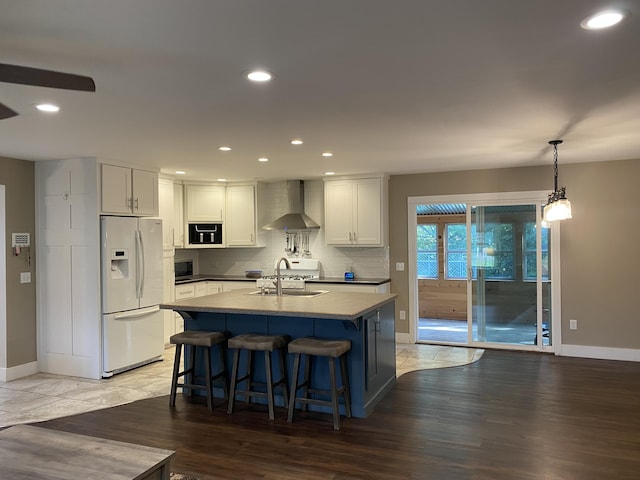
295	219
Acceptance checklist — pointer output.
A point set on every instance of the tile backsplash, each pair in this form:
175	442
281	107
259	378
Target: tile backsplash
365	262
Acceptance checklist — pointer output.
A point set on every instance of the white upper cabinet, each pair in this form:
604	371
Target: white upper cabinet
129	191
204	203
241	223
355	212
166	211
178	216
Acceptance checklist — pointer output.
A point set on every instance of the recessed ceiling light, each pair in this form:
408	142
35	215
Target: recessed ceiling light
296	141
224	148
327	154
180	172
329	173
263	159
48	107
604	19
259	76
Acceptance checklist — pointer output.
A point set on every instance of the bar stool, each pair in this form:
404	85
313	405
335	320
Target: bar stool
258	343
331	349
204	341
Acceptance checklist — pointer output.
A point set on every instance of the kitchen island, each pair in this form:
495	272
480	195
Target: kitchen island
366	319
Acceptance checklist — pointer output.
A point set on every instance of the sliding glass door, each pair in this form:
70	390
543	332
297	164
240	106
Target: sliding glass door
508	251
483	274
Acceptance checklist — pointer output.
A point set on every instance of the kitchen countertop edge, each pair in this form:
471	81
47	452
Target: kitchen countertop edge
242	278
331	305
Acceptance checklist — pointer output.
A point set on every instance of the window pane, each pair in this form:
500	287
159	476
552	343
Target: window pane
456	265
529	254
493	250
427	247
456	236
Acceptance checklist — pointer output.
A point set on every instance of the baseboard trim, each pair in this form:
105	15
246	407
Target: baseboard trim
602	353
403	338
19	371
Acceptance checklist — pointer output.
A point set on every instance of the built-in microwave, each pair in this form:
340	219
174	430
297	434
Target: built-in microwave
183	268
201	234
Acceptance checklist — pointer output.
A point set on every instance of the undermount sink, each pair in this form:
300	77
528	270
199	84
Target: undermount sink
291	292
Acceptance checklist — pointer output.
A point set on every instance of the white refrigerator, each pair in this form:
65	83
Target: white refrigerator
132	282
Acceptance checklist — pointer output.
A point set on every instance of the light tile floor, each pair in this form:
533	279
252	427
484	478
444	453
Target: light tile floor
45	396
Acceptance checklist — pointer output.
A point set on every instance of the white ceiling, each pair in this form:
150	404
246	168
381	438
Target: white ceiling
393	86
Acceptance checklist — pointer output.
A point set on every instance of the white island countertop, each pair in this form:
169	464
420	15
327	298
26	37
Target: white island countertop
331	305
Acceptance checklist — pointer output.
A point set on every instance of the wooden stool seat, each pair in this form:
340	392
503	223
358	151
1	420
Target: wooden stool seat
255	342
330	349
204	341
250	343
320	347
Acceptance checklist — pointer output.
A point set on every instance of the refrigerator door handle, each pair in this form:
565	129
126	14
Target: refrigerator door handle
143	312
139	264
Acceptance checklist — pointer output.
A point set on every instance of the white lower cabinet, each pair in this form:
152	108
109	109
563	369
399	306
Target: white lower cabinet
200	289
214	287
183	292
228	286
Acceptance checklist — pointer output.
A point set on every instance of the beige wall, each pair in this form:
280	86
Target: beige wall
18	178
599	262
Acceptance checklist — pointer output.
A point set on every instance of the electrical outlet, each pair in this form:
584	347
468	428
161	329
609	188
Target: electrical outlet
25	277
403	315
573	324
399	266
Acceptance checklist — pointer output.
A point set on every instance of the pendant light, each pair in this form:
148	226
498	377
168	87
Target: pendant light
557	207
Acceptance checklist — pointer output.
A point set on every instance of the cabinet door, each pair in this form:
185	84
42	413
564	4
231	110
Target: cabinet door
178	216
205	203
200	289
166	211
372	323
145	192
184	291
338	212
367	211
116	189
213	288
240	225
169	280
228	286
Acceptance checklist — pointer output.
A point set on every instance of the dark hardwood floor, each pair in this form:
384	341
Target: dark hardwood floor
508	416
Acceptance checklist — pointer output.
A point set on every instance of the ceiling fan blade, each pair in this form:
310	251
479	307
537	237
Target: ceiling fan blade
45	78
6	112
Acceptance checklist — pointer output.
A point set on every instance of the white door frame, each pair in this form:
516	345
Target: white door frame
520	198
3	289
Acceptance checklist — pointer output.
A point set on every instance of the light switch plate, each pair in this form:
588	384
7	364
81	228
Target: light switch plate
25	277
399	266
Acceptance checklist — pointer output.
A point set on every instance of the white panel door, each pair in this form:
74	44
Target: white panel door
119	275
151	275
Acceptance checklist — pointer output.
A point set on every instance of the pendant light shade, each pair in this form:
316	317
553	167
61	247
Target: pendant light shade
557	207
